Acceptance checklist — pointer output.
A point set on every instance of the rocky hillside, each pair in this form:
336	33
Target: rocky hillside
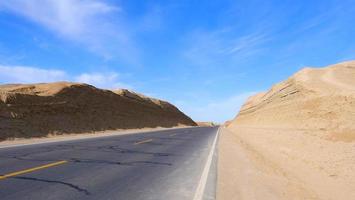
35	110
313	98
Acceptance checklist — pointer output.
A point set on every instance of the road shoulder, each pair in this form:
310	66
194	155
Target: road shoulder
243	174
78	136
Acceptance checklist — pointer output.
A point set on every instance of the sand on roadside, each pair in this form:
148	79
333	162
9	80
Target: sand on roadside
284	164
74	136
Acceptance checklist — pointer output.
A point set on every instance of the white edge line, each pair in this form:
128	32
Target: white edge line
203	180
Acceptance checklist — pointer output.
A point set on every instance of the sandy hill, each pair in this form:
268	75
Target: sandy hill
295	141
39	109
322	98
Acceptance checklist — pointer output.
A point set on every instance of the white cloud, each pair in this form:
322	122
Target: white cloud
26	74
217	111
68	17
102	80
92	23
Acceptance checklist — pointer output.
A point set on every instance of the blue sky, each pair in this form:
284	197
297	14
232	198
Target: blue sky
206	57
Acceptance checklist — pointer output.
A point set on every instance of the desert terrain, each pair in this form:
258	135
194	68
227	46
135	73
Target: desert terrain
37	110
295	141
208	124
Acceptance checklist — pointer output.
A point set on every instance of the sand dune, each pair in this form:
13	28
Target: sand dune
320	99
55	108
298	137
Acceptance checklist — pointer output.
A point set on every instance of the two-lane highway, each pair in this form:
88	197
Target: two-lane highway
167	165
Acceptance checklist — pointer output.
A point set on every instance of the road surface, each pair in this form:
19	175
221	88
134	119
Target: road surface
167	165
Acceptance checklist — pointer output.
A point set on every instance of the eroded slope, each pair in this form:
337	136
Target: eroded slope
54	108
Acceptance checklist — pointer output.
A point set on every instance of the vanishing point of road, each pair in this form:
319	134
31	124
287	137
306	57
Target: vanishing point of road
168	164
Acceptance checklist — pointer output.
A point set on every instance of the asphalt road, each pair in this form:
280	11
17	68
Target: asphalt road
164	165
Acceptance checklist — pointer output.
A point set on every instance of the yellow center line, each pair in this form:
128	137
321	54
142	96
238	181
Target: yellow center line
144	141
32	169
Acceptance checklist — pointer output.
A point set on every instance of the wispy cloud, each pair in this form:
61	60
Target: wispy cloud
88	23
247	44
26	74
211	47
